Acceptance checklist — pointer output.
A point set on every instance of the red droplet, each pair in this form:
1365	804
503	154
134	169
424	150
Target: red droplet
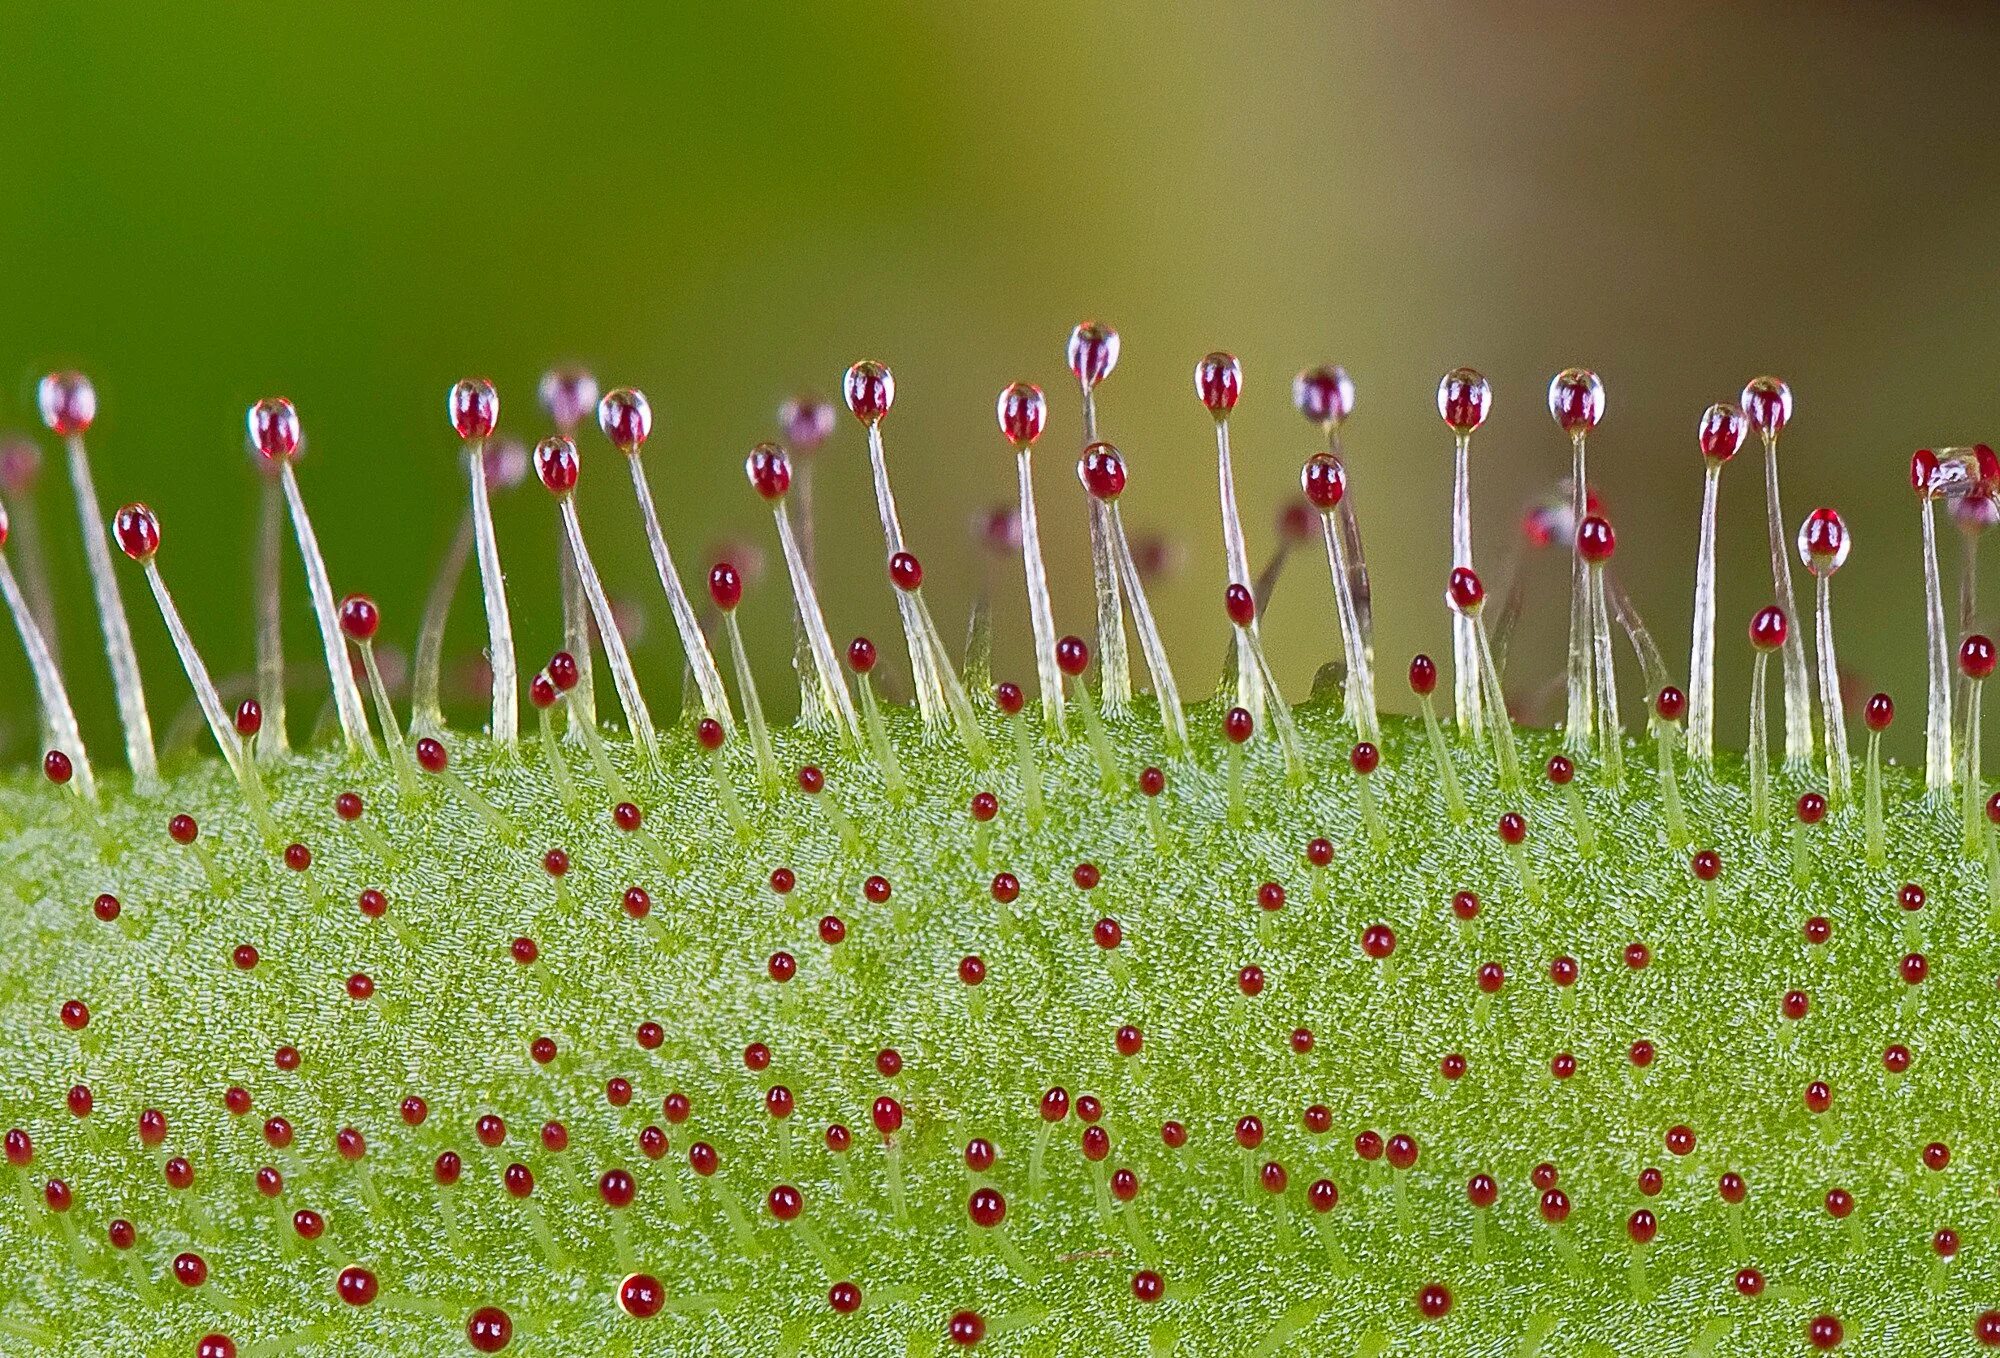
274	429
1434	1301
1022	411
68	403
769	470
1976	656
1555	1206
1481	1190
1102	471
1218	381
356	1285
249	718
1638	956
1595	540
905	572
870	390
1250	980
1642	1226
1768	628
1464	398
1092	352
844	1297
1576	400
1721	431
626	418
557	465
966	1329
1825	1332
1324	395
136	529
1812	808
474	407
641	1296
1324	481
1378	941
489	1330
1880	711
1072	656
1680	1139
1238	725
725	586
1465	905
1768	403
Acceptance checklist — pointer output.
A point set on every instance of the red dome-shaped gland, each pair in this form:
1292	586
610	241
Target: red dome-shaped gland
1423	675
356	1285
1218	381
870	389
556	464
136	530
1576	400
1721	432
1768	403
1825	1332
987	1207
1092	352
1324	481
1880	711
1463	591
359	618
861	655
1102	472
489	1330
725	586
1975	657
626	418
1464	400
1324	395
807	422
769	470
906	572
1239	604
474	408
888	1116
1923	473
641	1296
568	395
68	403
1378	941
1022	410
1823	542
1670	703
1072	656
274	429
1238	725
249	718
1768	627
1595	541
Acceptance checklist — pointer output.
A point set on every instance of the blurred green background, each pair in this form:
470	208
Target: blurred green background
357	204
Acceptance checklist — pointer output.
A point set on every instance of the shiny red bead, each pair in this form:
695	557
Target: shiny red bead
1022	410
1218	381
1464	398
769	470
1324	481
1768	628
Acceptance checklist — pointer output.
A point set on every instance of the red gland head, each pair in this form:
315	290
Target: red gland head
1465	398
1239	604
769	470
1975	657
1072	656
1823	542
1880	711
1324	395
1768	403
1923	471
1576	400
1218	381
474	408
1423	675
1595	542
1768	627
568	395
562	671
274	429
68	403
905	572
359	618
1464	592
556	464
1670	703
1238	725
249	718
725	586
861	655
1093	352
626	418
1721	432
870	389
1102	472
807	422
1022	410
1324	482
136	530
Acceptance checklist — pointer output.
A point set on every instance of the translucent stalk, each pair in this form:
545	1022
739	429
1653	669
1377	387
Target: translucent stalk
558	766
1108	776
1701	663
607	772
694	644
1041	615
34	572
1975	786
1759	754
1249	691
955	700
623	677
1876	843
346	693
1610	736
1114	670
1937	658
576	634
392	734
58	717
1666	736
753	708
878	740
219	725
1968	580
1503	729
1454	795
274	740
426	711
923	673
1839	777
1578	722
499	626
833	689
1353	642
111	618
1799	747
1644	649
1031	773
1173	721
1465	680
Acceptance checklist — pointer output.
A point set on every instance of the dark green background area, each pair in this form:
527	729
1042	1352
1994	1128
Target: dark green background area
357	204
